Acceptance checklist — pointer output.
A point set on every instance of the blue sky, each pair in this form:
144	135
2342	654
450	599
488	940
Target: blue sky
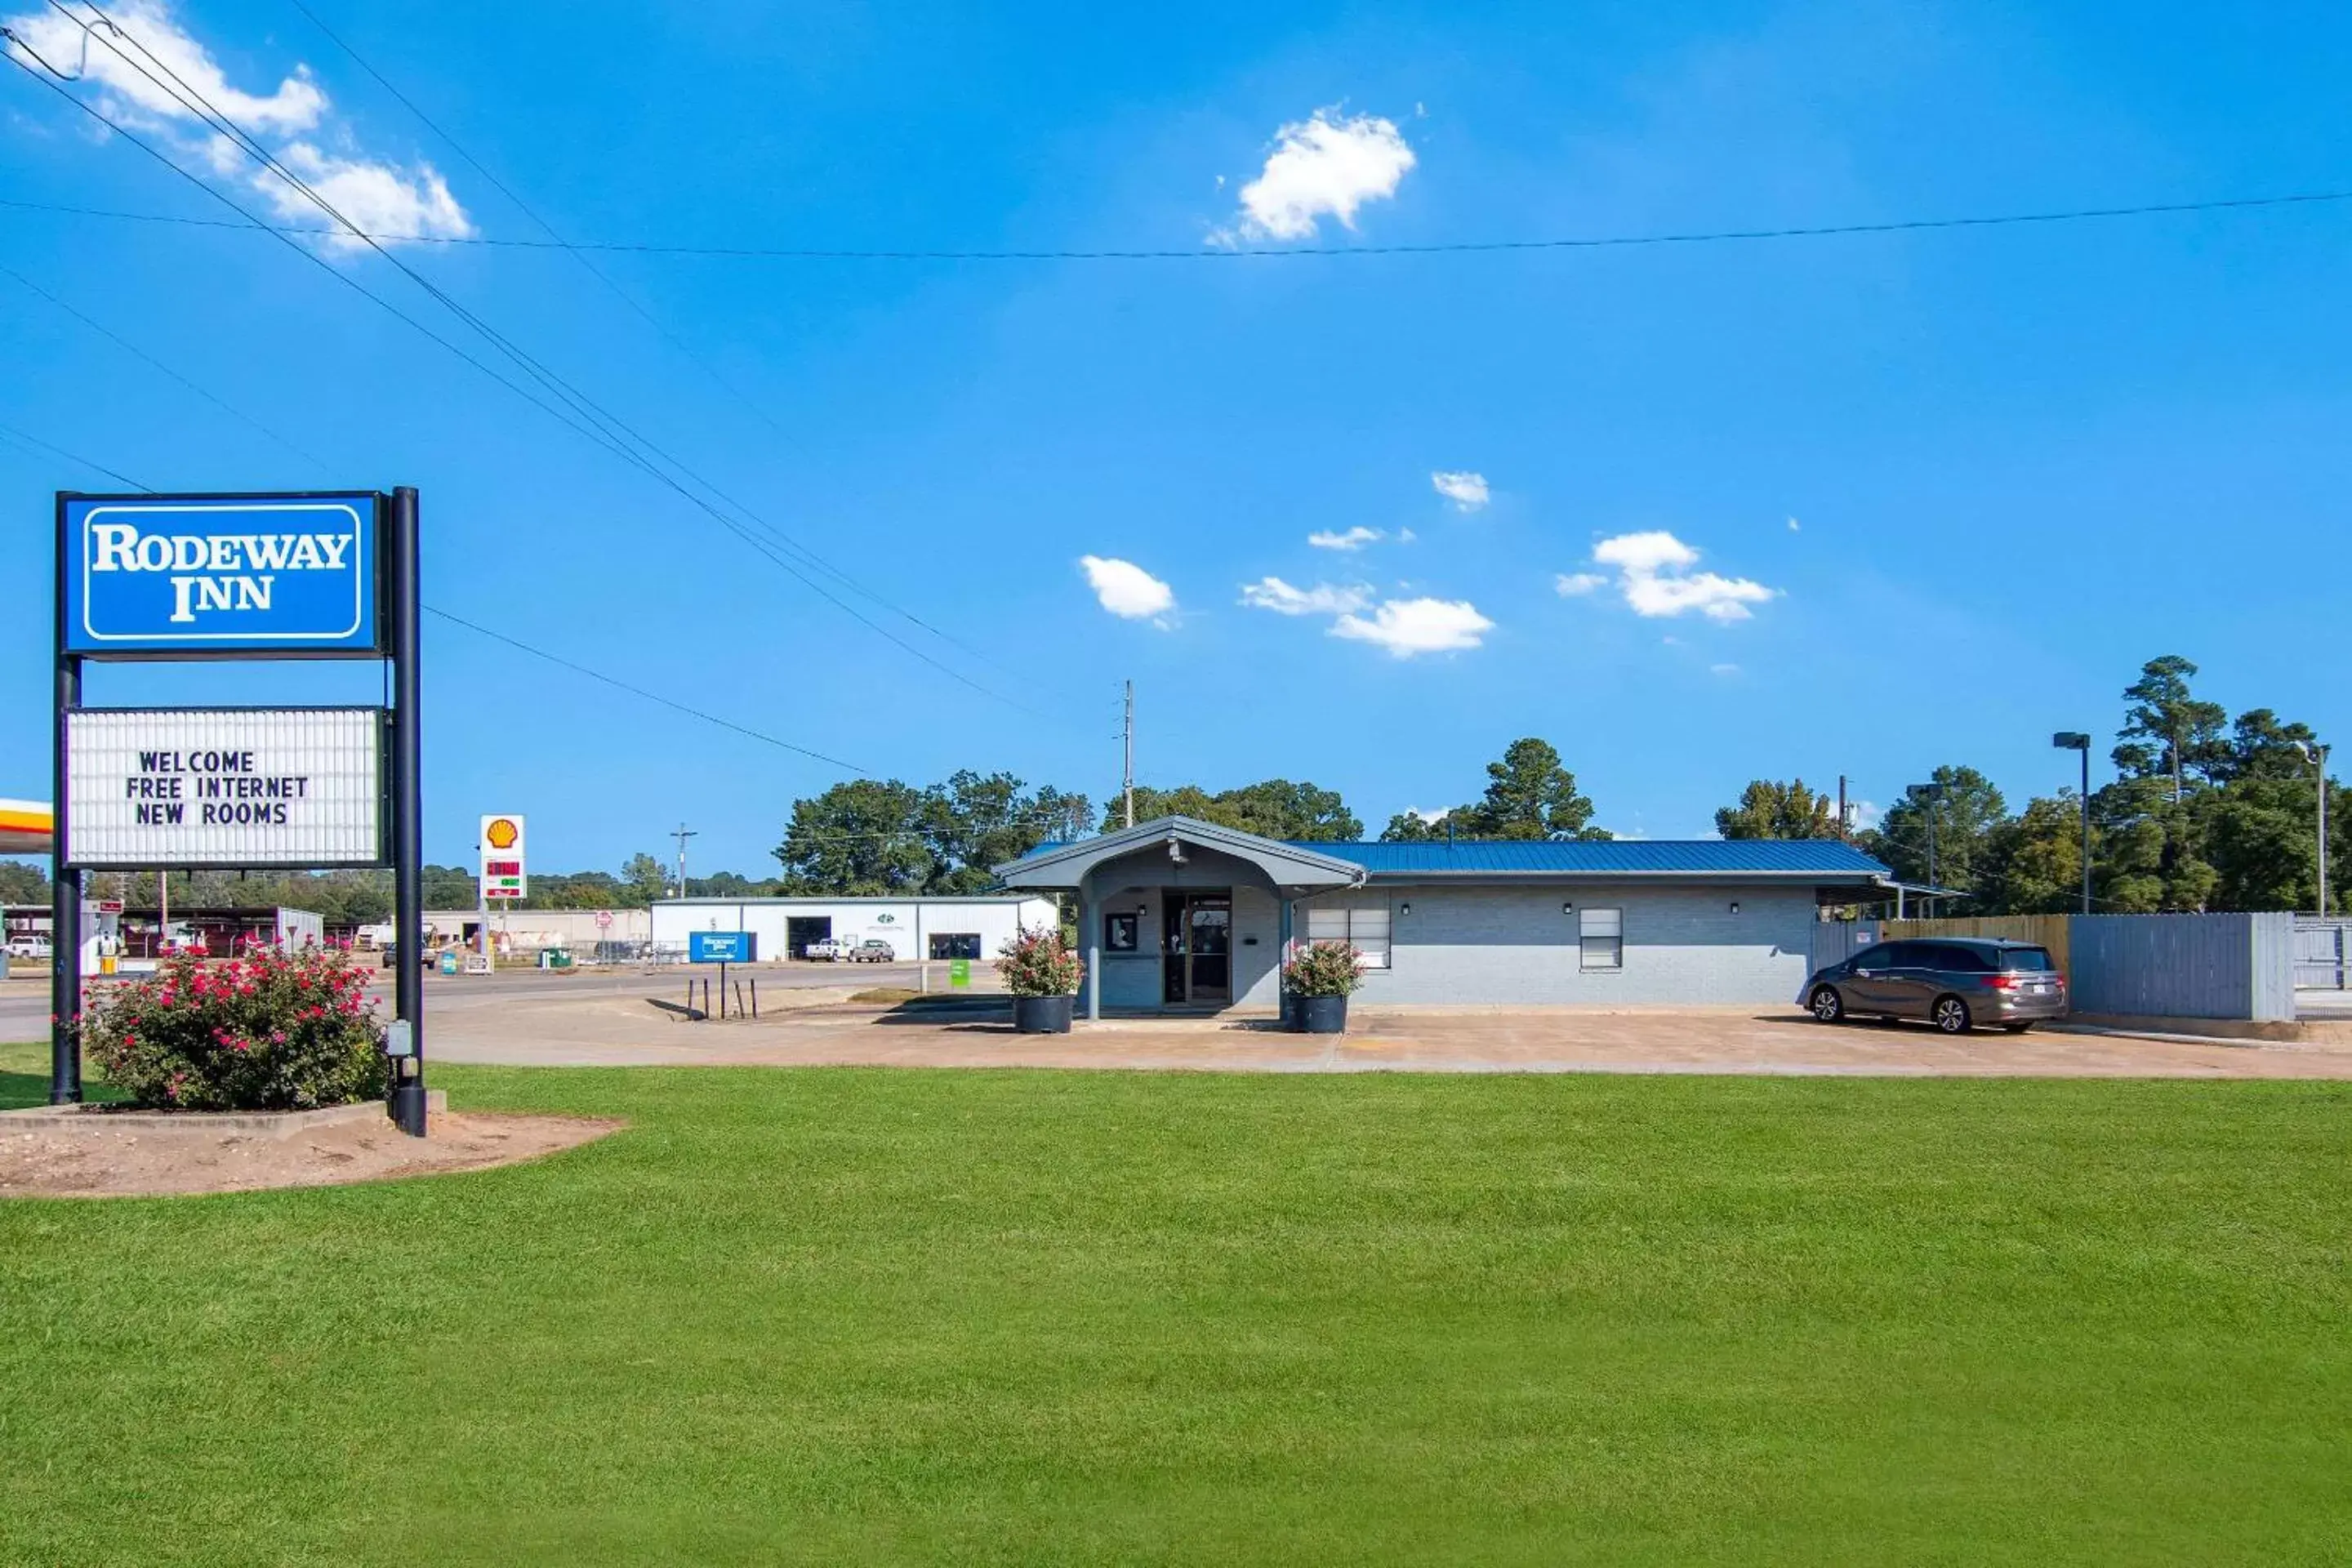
2019	460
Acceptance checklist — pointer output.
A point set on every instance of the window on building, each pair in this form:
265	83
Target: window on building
955	945
1601	938
1122	932
1363	924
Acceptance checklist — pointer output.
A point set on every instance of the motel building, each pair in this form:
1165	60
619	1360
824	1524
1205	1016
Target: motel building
1176	914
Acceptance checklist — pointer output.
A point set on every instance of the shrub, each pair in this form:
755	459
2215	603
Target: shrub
1037	964
271	1031
1324	969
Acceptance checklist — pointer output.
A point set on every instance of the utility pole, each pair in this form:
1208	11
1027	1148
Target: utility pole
1127	767
682	835
1843	819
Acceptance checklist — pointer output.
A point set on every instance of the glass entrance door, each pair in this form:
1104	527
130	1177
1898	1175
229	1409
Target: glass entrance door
1211	920
1196	937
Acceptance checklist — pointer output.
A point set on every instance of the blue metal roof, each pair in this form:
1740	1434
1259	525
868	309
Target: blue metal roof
1605	856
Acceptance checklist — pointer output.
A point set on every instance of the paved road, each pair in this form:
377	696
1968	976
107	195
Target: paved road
25	1004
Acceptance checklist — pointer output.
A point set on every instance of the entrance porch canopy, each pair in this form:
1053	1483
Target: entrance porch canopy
1170	854
1288	867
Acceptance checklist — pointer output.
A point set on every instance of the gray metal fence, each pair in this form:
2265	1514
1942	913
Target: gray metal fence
2323	953
2185	966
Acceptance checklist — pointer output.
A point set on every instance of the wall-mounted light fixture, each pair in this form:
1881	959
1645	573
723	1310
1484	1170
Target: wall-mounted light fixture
1568	908
1404	909
1734	906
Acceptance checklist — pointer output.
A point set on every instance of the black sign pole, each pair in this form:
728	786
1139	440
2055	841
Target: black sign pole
65	908
407	815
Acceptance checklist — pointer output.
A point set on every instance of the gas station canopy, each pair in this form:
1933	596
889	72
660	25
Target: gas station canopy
26	827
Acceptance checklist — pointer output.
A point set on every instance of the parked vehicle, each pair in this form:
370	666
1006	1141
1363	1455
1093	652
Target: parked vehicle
825	951
874	949
28	947
1953	982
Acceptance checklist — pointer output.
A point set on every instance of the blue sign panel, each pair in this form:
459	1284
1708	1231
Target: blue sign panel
197	575
722	946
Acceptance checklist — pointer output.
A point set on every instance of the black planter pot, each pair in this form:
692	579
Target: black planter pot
1321	1015
1042	1015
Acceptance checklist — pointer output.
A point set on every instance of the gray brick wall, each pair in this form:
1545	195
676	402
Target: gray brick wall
1510	944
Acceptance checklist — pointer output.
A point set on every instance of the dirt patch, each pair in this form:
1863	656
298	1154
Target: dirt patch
98	1160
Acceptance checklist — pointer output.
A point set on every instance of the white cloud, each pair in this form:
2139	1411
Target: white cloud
1406	536
1323	599
1645	553
1410	626
379	196
1355	538
1569	585
1793	527
1466	491
1723	669
1321	166
129	93
1653	572
1866	813
1127	591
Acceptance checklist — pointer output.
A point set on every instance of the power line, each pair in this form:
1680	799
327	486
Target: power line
605	279
516	643
1244	253
70	456
582	414
136	353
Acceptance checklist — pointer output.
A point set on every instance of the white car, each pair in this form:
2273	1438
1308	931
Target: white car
825	951
28	947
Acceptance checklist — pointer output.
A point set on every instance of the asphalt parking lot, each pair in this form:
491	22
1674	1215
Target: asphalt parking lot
634	1017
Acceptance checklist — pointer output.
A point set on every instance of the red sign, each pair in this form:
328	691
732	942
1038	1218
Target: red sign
501	867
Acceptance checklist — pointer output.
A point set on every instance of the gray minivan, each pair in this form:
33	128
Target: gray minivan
1953	982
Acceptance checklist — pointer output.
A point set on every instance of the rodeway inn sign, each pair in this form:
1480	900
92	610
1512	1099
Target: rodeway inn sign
190	575
307	574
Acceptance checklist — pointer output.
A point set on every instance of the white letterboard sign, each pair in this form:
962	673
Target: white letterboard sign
245	788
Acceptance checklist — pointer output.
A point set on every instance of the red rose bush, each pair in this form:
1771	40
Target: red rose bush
270	1031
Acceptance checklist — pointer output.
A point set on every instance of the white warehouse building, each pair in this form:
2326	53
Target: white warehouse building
916	928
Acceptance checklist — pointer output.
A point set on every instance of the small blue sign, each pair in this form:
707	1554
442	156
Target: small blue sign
722	946
196	575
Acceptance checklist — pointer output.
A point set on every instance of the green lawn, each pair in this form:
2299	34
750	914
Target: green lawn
1022	1317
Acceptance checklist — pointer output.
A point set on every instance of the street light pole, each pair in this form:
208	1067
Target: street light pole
1933	793
2076	741
2318	754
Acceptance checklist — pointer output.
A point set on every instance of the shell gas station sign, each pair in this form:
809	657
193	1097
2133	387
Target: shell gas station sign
503	876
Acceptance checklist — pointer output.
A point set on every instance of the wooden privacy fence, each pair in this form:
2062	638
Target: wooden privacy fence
2049	930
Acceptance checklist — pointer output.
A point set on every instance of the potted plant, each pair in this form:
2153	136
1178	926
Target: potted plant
1042	972
1318	977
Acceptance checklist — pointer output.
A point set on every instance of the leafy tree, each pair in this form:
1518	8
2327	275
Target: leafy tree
862	839
1769	809
976	822
2166	731
644	882
1412	827
1186	800
1528	795
2261	747
450	887
1964	814
2032	862
1275	808
23	884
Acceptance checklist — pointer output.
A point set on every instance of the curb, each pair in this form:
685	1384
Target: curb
265	1123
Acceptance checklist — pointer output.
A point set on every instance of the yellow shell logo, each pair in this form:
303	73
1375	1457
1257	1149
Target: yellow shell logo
503	833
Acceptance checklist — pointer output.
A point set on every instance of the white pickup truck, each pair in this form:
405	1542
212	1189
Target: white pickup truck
841	950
